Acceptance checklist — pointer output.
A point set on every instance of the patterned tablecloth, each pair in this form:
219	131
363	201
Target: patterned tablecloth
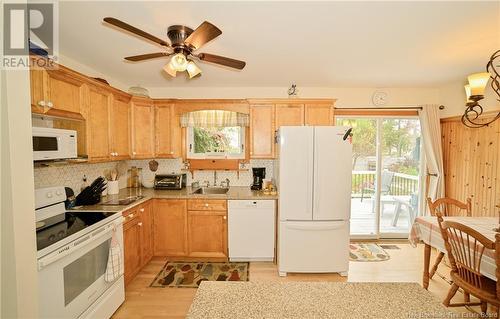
426	229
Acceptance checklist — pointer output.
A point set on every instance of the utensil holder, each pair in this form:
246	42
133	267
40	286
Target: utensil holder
113	188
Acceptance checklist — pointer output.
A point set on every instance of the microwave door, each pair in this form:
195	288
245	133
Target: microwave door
45	147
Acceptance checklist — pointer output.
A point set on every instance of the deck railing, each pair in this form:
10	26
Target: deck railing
401	184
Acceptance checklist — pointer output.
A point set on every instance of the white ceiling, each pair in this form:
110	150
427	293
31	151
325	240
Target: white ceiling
336	44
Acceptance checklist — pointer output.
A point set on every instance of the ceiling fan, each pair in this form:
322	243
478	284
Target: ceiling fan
183	42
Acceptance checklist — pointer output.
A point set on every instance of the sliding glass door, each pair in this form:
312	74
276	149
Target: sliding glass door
385	175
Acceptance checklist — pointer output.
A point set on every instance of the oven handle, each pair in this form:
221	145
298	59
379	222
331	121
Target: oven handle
77	243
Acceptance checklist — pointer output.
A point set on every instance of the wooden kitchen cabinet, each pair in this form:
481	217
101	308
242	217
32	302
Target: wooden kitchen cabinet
59	92
207	234
262	131
99	104
319	114
289	115
207	204
146	216
142	128
37	90
120	127
170	227
167	130
132	238
137	239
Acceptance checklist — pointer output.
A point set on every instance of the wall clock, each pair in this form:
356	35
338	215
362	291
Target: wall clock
380	98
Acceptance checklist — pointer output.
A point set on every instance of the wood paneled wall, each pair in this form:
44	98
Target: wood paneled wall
472	164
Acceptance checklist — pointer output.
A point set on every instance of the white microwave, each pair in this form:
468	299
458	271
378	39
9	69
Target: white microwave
53	143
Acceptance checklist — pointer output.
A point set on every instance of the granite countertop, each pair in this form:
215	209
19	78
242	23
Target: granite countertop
315	300
235	192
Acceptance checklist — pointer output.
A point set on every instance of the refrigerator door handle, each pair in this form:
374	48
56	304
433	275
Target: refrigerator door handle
316	193
316	226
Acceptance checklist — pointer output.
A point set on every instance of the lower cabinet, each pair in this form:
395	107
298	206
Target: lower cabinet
207	234
137	239
190	228
175	228
146	213
170	227
132	248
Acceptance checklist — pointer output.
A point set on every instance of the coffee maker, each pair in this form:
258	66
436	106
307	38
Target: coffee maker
259	173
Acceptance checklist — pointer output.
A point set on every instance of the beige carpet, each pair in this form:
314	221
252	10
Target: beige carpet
315	300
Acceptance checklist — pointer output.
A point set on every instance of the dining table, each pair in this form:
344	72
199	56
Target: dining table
426	229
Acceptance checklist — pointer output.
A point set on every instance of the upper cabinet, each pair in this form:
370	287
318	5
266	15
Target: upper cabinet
289	115
59	92
319	114
120	127
262	131
98	128
167	130
142	128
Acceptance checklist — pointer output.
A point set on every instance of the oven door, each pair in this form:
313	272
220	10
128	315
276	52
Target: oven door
72	278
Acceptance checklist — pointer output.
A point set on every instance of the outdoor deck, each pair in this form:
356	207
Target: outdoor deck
363	220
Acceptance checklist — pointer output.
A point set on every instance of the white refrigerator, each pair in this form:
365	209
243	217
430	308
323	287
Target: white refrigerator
314	183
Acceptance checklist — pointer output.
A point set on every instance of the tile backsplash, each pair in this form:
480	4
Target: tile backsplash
71	175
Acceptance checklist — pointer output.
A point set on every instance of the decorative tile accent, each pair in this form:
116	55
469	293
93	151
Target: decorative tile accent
71	175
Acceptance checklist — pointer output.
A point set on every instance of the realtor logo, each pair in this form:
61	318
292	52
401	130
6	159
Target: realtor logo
28	28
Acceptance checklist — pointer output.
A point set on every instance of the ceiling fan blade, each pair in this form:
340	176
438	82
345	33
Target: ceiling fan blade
147	56
127	27
232	63
204	33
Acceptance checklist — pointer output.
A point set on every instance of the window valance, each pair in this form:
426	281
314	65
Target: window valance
214	118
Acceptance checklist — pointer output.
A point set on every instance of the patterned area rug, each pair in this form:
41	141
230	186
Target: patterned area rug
367	252
191	274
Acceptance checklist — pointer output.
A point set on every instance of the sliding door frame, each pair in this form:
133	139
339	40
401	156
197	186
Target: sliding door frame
379	116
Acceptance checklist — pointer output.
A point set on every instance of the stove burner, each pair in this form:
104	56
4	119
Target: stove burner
73	222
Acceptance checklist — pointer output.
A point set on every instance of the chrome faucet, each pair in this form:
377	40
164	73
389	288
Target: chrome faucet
225	183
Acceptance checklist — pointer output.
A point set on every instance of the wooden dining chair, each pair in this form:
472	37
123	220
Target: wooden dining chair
447	207
466	247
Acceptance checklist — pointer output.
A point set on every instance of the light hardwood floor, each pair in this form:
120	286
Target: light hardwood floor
405	265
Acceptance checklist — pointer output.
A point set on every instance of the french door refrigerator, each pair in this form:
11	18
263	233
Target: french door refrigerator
314	183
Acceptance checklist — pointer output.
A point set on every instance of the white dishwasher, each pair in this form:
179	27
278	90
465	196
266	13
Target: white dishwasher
251	230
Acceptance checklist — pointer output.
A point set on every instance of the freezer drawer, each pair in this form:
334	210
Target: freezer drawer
251	230
313	246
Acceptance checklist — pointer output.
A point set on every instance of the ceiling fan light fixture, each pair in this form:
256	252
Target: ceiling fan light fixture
170	69
192	69
179	62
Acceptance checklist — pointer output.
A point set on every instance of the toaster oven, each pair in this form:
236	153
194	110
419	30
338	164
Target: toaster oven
170	181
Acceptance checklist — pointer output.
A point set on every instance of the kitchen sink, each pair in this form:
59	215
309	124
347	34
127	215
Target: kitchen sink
122	201
211	190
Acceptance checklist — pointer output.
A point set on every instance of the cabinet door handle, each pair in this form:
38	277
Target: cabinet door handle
131	216
142	209
206	204
41	103
225	217
140	224
49	104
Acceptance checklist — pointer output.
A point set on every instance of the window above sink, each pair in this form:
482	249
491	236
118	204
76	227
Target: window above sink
215	134
216	142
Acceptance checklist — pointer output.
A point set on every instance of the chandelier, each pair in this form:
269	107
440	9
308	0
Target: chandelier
475	92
